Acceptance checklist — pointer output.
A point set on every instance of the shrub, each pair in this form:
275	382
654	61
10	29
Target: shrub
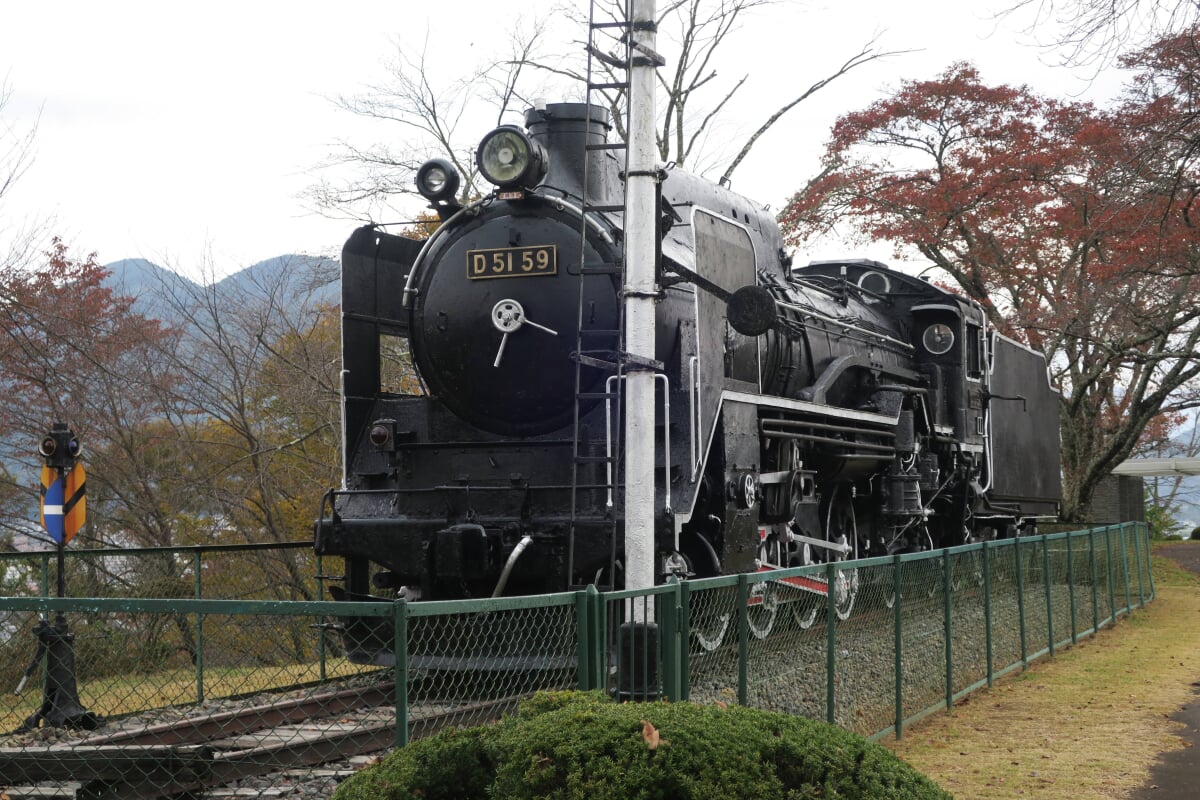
573	746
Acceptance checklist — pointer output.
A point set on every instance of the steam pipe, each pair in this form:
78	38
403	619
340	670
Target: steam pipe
512	562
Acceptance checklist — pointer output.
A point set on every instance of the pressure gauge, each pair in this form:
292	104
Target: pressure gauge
938	338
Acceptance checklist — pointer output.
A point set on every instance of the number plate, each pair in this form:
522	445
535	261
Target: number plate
512	262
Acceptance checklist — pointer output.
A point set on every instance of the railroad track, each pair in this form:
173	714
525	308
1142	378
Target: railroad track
218	749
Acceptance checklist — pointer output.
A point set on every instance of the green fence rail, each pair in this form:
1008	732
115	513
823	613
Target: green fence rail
870	645
277	570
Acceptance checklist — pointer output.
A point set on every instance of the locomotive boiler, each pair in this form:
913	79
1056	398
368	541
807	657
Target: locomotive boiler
803	414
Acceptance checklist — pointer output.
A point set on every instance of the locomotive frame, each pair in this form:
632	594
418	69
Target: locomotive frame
826	412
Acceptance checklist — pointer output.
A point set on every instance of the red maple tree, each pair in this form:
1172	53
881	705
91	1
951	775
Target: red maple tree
1075	226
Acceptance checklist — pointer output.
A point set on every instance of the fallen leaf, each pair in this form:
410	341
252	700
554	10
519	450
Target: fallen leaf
649	735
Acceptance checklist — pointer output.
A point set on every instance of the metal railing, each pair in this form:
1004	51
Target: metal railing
198	691
280	571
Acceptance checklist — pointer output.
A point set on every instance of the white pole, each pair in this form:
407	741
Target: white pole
640	291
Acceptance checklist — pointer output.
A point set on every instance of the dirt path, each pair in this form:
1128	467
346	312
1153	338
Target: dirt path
1185	554
1176	775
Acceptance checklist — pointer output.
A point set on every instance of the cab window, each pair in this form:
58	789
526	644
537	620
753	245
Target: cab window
974	352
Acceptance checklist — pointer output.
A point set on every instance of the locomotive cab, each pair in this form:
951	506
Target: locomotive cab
951	352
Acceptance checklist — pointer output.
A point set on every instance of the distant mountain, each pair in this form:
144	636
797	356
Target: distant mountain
297	272
295	275
142	279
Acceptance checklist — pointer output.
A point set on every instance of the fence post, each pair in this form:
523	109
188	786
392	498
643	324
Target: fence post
1112	584
1021	601
1145	531
987	610
685	640
321	654
743	610
668	619
1071	588
897	607
400	650
1095	581
947	627
1125	570
1137	553
197	564
583	638
830	639
1049	597
599	630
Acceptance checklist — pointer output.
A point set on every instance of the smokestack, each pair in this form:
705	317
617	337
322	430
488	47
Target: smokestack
563	129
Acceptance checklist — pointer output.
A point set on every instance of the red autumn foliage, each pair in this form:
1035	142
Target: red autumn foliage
65	334
1076	226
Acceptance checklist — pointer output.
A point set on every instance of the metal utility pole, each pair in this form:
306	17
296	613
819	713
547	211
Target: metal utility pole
640	293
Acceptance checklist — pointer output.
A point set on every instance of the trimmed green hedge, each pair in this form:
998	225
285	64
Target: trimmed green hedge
576	746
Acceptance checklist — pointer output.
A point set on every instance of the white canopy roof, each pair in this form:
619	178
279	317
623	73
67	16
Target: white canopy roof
1150	467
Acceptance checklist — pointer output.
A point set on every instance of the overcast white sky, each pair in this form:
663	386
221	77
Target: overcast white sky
186	133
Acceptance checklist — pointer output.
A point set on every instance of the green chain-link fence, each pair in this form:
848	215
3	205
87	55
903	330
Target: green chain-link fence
196	689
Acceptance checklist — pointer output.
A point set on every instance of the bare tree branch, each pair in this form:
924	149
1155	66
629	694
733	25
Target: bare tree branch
693	39
18	241
866	55
1096	32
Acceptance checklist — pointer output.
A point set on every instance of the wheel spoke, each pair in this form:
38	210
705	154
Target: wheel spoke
841	528
761	613
805	611
709	631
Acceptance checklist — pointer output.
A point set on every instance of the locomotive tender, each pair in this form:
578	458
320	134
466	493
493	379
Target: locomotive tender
804	414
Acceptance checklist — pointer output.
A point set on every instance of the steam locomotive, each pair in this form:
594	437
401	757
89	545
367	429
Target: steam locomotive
803	414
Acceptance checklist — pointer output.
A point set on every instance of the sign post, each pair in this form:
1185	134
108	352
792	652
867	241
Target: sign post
63	512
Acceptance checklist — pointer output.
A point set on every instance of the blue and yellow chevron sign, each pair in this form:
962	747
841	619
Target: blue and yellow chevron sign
64	502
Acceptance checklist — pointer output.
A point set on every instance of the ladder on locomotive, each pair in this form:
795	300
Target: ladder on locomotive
590	349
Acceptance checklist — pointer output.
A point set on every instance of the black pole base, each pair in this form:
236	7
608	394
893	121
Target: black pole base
637	662
60	702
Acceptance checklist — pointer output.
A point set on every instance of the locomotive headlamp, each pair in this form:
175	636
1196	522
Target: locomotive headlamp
508	158
437	180
938	338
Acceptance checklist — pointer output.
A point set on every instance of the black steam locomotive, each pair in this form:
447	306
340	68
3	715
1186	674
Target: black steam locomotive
804	414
